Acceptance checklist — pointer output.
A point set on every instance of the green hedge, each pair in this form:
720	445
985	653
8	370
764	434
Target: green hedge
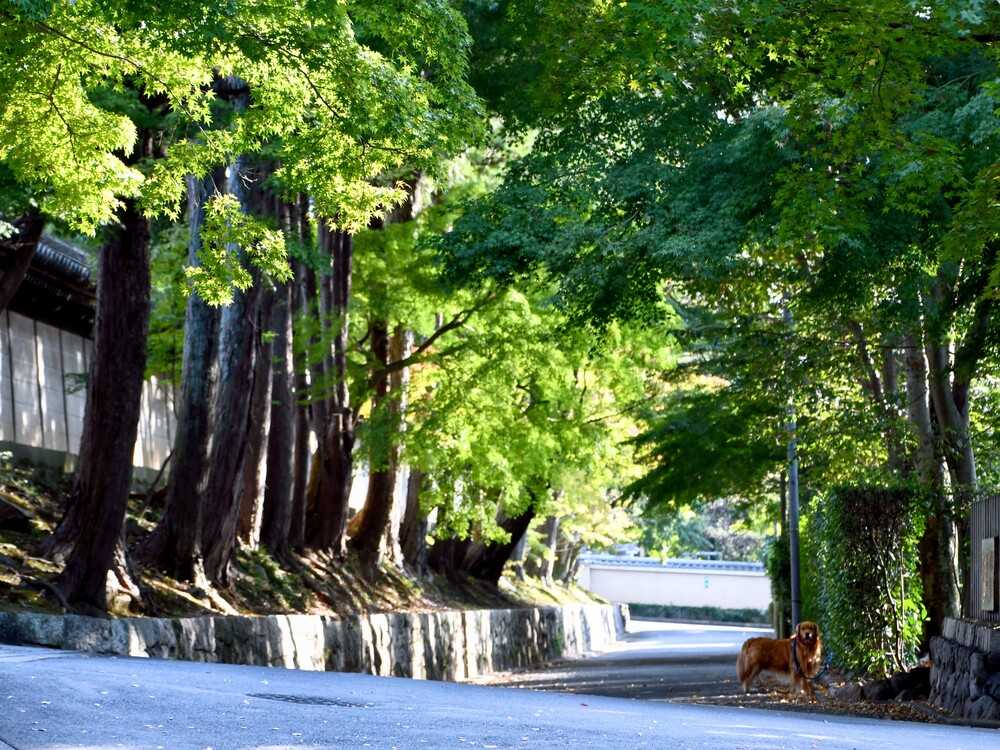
704	614
779	571
860	576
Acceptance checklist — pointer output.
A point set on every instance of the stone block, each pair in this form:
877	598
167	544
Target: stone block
152	637
848	693
32	629
960	663
978	664
333	648
981	636
195	638
984	708
878	691
95	634
992	686
942	652
976	685
306	638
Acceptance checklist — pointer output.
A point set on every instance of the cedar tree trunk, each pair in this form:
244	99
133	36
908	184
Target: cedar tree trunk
333	483
281	438
96	515
255	463
413	528
174	546
232	416
367	542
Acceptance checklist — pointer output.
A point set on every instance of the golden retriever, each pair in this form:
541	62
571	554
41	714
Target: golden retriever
799	658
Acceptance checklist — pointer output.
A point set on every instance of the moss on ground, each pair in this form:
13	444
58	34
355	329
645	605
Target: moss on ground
312	582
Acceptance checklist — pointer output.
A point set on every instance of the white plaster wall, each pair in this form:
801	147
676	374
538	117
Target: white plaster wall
687	588
6	405
75	368
24	365
48	348
39	368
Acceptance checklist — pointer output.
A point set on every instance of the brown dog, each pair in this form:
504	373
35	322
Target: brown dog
798	657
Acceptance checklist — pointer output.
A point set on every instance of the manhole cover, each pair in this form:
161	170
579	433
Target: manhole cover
306	700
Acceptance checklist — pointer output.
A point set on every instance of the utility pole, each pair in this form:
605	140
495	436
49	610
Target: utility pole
793	496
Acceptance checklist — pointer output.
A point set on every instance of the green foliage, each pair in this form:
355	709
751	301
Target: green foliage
777	562
227	233
340	94
727	527
862	567
703	444
165	342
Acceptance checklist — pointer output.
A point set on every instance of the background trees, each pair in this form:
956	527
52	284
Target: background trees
522	264
814	159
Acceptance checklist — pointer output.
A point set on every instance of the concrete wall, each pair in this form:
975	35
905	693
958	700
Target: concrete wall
43	393
707	584
450	645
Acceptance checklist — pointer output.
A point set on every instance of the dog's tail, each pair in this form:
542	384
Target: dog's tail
741	664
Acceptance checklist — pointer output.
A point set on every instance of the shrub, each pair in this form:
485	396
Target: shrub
700	614
779	571
862	551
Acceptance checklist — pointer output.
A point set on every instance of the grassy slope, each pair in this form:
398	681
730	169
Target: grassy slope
310	583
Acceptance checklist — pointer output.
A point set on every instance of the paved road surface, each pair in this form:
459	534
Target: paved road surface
51	700
656	660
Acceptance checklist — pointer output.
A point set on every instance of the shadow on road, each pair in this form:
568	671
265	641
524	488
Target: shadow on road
655	661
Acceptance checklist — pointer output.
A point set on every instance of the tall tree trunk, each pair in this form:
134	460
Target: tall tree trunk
551	533
278	504
255	463
379	523
21	248
367	542
518	556
487	564
569	571
926	459
890	387
96	515
318	308
878	380
939	545
953	418
935	548
297	525
413	528
445	557
174	546
333	483
400	347
232	414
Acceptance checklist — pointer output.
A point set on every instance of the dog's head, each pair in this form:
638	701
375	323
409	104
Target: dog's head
807	633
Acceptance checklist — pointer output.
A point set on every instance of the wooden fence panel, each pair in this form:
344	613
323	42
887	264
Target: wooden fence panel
983	601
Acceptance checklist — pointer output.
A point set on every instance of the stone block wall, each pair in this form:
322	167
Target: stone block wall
965	676
450	645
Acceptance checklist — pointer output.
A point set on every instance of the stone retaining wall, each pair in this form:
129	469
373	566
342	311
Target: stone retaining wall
965	676
451	645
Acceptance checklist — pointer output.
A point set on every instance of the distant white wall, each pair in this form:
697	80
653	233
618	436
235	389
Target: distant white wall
43	392
650	583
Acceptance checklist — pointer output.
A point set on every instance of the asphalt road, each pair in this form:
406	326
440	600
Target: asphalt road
53	699
656	660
